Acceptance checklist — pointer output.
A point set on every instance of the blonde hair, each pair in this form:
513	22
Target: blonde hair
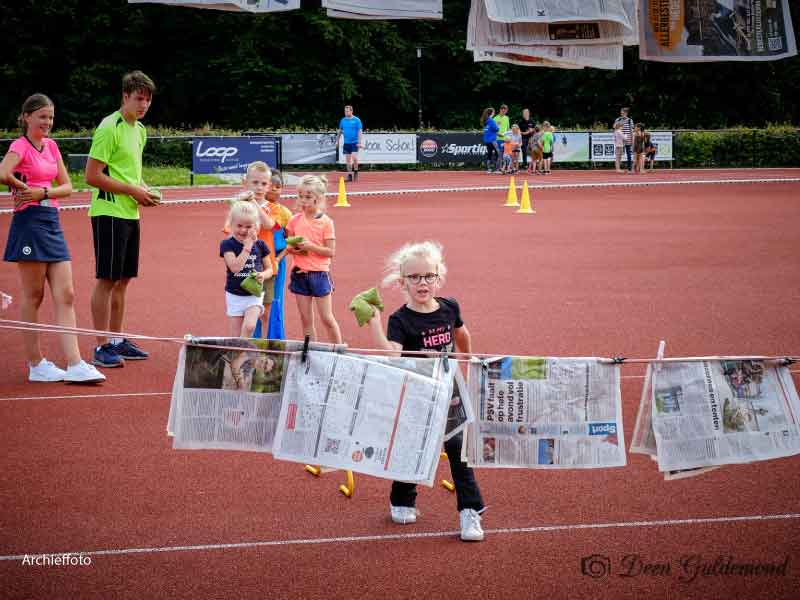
242	209
259	166
427	250
317	185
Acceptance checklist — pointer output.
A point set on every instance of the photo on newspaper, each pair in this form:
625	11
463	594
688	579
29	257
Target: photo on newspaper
715	30
545	413
717	412
346	412
227	392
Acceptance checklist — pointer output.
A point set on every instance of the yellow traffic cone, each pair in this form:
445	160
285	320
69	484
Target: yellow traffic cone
526	207
341	201
511	199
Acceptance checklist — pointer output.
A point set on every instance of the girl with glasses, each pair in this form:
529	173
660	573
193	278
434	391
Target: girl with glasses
427	322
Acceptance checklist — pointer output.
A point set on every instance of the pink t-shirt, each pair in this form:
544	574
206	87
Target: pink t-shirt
315	231
37	169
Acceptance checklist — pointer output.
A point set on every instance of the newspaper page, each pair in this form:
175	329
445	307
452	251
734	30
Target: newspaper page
482	32
254	6
459	414
558	11
229	399
545	413
718	412
384	9
715	30
344	412
521	59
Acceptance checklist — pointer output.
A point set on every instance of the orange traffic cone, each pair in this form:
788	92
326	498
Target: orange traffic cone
511	198
526	206
341	201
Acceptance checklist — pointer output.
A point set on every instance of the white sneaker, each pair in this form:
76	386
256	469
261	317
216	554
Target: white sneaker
403	514
83	373
45	371
471	530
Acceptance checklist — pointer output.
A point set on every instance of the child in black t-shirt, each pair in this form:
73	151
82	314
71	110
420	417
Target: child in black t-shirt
244	254
427	322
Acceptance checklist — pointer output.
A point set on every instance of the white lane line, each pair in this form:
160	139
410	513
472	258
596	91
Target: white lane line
411	536
487	188
85	396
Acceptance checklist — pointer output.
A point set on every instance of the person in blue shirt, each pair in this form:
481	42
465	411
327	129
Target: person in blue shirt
352	131
490	131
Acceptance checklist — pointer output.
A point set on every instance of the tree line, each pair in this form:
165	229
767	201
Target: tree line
296	70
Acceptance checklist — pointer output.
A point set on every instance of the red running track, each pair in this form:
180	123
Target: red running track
610	271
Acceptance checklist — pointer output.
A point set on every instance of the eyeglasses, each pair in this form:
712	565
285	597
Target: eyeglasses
428	278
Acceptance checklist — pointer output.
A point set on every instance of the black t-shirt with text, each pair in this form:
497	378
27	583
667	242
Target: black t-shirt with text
255	262
432	331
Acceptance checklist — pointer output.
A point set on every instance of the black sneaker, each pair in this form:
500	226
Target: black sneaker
130	351
106	356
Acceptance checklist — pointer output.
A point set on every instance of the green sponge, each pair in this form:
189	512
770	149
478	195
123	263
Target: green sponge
364	305
252	285
294	240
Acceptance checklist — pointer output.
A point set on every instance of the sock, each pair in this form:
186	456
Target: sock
116	340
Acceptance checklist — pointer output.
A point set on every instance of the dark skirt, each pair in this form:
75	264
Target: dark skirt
35	235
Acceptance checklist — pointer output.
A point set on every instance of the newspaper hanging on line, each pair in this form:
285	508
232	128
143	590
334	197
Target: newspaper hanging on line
459	414
230	399
707	31
545	413
254	6
383	9
719	412
345	412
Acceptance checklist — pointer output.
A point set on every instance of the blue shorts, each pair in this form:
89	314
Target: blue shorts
311	283
350	148
35	235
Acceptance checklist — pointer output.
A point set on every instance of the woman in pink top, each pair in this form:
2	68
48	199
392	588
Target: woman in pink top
36	242
310	279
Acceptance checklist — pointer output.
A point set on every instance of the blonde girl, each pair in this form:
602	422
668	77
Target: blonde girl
310	279
244	254
431	323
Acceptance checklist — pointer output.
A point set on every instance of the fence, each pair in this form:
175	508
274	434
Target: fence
773	147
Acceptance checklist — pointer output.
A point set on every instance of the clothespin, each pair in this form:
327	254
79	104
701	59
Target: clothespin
786	361
618	360
446	361
306	341
189	338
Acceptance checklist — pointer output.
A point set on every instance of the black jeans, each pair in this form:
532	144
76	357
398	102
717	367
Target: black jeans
492	155
628	156
525	142
467	493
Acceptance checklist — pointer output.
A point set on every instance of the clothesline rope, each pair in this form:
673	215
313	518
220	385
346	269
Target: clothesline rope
189	340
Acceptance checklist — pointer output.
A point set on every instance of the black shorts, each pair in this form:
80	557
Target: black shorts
546	155
116	247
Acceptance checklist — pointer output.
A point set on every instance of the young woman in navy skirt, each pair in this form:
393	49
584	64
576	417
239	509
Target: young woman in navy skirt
36	242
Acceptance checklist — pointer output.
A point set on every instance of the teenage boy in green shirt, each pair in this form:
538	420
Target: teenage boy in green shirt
114	170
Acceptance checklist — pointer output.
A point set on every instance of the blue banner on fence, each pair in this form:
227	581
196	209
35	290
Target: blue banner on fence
233	154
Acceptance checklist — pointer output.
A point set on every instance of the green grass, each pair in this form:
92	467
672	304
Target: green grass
153	176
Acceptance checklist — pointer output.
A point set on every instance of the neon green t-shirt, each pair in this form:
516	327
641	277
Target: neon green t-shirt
547	141
504	124
120	146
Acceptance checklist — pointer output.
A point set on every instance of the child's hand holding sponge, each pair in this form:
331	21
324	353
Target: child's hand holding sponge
364	305
294	240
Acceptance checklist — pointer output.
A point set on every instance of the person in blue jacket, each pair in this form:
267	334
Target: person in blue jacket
490	130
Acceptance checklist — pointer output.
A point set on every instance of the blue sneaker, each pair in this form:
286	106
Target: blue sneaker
106	356
130	351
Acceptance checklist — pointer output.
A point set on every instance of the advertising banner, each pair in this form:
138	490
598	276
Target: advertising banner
232	154
570	146
603	146
386	148
308	148
451	148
